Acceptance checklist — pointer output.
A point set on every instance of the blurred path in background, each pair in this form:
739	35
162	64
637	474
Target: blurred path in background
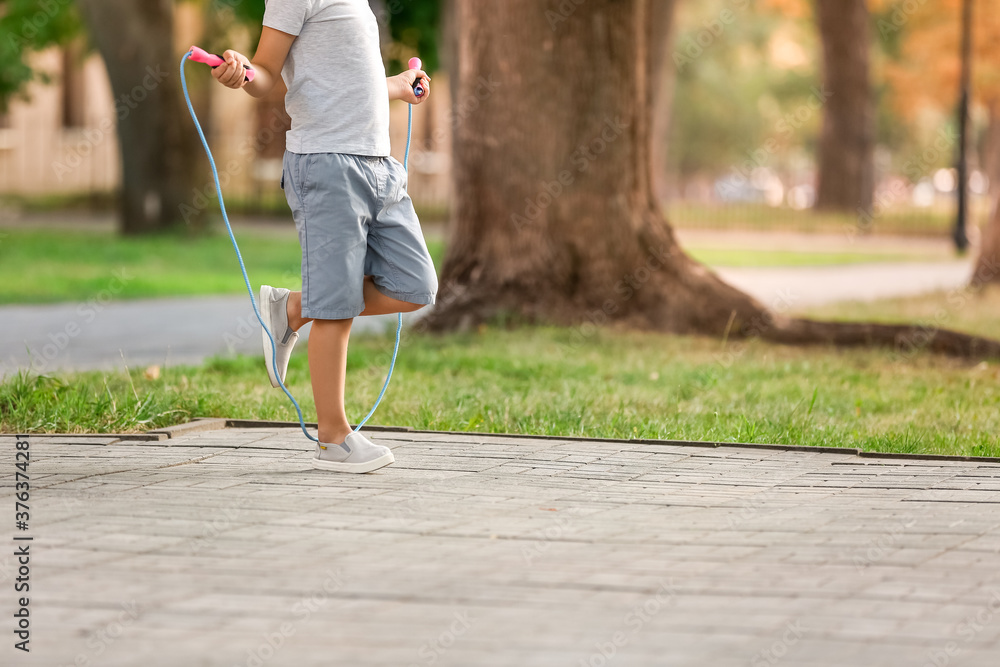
791	288
190	329
140	333
935	267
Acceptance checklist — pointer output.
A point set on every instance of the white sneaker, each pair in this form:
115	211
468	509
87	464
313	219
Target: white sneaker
273	304
357	454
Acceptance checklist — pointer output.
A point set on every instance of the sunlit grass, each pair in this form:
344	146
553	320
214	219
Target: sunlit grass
49	266
733	257
555	382
44	266
760	217
542	380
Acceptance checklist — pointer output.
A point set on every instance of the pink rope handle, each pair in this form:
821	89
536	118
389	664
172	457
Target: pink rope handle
202	56
418	89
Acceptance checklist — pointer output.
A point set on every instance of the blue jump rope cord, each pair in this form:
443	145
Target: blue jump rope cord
246	279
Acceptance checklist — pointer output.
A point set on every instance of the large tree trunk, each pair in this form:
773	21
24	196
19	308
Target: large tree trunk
988	263
161	159
847	145
663	78
991	151
987	269
448	40
555	219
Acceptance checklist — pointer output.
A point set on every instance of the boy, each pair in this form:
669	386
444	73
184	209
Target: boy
362	249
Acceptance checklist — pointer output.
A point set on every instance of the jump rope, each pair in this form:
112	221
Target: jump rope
200	55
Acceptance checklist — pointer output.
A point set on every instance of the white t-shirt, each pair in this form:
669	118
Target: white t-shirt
337	94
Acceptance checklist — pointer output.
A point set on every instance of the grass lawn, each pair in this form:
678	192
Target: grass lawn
559	382
46	266
42	266
49	266
897	221
960	309
731	257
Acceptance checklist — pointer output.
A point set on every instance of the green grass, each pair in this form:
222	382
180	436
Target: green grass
731	257
900	221
60	202
48	266
961	309
269	202
558	382
532	380
44	266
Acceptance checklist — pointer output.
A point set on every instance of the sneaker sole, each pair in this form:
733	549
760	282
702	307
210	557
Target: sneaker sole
367	466
265	314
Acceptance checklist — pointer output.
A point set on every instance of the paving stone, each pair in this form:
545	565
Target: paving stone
490	550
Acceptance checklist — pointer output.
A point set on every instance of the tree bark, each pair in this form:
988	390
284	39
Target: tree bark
448	38
663	77
847	145
987	269
555	218
161	158
991	151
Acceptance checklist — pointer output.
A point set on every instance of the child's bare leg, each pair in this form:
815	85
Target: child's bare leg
294	309
377	303
328	356
328	367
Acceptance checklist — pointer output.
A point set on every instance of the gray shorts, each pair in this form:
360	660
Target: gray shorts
355	219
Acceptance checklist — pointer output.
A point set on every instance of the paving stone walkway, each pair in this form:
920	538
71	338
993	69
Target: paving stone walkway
224	547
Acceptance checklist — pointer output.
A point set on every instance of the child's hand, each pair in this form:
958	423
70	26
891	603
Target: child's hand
404	86
232	74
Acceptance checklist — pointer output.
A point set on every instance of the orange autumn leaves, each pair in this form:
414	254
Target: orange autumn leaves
925	72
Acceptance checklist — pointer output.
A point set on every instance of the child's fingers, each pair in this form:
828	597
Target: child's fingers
234	70
234	75
234	57
222	73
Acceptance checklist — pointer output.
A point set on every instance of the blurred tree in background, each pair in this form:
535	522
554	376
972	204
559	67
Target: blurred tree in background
924	76
846	178
161	158
557	221
749	111
925	84
754	93
26	26
135	38
741	76
162	164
